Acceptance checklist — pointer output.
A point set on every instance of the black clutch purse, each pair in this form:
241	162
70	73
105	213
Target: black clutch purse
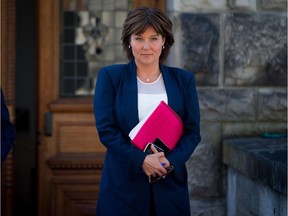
159	145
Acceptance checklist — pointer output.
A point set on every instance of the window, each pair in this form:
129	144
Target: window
90	39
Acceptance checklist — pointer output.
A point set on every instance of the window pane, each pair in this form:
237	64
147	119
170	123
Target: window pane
82	69
68	87
68	69
69	19
69	36
68	52
90	39
81	53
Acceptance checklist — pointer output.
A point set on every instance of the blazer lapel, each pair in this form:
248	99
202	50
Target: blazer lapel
130	96
172	89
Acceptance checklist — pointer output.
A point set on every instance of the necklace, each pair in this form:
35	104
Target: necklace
151	78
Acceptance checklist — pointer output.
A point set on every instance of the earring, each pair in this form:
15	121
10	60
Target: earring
129	47
163	47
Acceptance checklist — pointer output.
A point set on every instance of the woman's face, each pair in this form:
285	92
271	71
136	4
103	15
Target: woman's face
147	47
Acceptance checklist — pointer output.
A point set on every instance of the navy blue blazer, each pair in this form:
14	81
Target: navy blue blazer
7	130
124	189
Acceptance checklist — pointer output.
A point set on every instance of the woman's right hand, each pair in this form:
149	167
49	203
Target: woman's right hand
154	164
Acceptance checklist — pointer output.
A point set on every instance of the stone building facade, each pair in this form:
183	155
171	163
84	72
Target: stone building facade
237	50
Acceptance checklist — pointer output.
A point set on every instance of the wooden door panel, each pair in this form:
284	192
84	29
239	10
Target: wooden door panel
77	137
72	156
71	159
77	134
77	197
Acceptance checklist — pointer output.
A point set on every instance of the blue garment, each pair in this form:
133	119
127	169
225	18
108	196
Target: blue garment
125	191
7	130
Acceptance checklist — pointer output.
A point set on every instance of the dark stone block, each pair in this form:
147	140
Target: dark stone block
280	5
255	49
262	159
200	34
227	104
278	156
272	105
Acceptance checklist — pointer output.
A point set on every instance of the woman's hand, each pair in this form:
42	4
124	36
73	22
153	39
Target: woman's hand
154	164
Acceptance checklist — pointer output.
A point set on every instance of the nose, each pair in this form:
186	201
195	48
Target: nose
146	45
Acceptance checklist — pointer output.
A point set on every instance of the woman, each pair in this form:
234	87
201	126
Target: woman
124	94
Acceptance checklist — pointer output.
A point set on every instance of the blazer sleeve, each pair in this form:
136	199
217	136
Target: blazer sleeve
191	136
110	132
8	132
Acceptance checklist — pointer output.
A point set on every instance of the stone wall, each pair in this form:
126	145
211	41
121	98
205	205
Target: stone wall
237	50
257	176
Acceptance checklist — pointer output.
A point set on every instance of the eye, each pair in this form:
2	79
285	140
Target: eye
138	39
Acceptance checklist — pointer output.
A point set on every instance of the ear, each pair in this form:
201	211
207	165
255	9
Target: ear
164	41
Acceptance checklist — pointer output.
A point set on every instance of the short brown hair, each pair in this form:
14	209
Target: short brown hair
138	20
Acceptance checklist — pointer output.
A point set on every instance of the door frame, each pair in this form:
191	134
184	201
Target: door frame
7	71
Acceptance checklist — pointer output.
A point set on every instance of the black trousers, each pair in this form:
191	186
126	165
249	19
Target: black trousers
152	203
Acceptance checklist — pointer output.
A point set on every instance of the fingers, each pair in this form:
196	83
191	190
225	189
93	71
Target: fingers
160	171
161	156
152	165
154	150
153	171
164	162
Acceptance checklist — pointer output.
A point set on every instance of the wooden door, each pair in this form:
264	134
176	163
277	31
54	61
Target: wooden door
150	3
70	155
7	62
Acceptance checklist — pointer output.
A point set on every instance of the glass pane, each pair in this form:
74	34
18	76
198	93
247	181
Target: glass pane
120	17
90	39
68	87
68	52
121	5
69	35
81	53
69	19
109	5
68	69
120	54
82	69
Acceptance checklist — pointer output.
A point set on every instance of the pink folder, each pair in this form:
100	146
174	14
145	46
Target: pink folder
163	123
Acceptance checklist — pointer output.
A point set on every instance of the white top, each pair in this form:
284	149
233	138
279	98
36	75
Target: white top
149	95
